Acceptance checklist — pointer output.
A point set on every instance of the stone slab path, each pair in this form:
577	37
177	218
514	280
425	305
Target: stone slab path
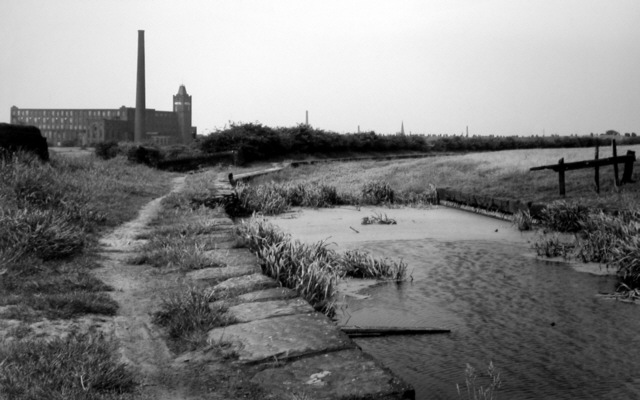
292	351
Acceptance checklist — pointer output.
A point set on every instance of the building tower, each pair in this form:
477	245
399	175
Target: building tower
139	130
182	106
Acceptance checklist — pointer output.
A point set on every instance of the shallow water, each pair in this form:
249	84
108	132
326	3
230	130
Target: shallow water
540	322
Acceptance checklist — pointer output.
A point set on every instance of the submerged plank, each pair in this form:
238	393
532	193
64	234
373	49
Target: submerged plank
363	331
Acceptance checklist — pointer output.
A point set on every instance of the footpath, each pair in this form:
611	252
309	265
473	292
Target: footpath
283	346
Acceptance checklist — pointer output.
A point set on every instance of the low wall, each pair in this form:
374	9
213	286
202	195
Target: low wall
491	204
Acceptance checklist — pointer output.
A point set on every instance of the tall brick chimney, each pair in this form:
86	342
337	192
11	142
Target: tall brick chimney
139	127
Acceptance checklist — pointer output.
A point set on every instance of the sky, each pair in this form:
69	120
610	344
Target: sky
502	67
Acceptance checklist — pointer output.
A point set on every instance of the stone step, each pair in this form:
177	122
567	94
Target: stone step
338	375
268	309
281	338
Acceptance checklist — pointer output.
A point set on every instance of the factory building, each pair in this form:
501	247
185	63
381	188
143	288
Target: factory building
90	126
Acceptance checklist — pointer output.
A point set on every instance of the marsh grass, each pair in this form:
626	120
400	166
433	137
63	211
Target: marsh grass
189	314
551	246
523	220
80	367
274	198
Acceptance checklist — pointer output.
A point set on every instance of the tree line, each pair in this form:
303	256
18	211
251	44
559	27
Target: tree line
255	141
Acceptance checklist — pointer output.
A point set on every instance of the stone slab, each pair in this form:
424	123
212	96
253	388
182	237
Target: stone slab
233	257
281	337
268	309
248	283
218	274
280	293
343	374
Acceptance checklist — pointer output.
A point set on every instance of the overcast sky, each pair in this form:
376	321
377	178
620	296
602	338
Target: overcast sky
499	66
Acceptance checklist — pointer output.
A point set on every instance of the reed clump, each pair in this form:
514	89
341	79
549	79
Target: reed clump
475	391
357	264
378	218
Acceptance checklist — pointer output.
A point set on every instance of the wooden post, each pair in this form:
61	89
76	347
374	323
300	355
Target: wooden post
561	176
628	167
597	169
616	181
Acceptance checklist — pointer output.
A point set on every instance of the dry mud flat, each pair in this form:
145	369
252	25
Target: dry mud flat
280	345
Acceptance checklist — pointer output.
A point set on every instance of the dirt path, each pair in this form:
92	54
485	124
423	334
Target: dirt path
139	290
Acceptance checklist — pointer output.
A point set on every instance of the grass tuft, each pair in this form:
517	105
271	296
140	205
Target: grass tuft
79	367
189	315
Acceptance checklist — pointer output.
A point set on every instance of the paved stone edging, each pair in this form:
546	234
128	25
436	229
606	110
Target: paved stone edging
303	350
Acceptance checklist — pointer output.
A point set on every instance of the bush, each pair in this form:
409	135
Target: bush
144	155
107	150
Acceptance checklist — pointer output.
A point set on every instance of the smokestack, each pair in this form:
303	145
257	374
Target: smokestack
139	127
306	120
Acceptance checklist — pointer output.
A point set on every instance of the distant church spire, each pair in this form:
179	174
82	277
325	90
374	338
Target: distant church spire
402	128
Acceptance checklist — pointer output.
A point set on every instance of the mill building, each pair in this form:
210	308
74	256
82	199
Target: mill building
90	126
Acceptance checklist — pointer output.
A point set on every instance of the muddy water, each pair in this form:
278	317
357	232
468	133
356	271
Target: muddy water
538	321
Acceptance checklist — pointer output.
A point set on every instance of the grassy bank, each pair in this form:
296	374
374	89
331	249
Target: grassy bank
497	174
51	217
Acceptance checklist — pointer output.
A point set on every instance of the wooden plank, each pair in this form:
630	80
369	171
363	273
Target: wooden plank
561	176
614	150
362	331
628	167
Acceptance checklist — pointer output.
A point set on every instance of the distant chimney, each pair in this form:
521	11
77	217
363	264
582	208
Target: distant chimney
306	120
139	127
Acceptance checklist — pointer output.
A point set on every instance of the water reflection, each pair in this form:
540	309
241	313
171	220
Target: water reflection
539	322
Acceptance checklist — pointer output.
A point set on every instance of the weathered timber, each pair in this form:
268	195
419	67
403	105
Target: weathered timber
597	169
366	331
614	150
561	176
596	163
588	163
628	167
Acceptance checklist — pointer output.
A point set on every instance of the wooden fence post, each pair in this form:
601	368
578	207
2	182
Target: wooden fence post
597	169
561	176
615	164
628	167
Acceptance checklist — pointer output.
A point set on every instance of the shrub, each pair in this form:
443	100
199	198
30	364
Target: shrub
106	150
144	155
